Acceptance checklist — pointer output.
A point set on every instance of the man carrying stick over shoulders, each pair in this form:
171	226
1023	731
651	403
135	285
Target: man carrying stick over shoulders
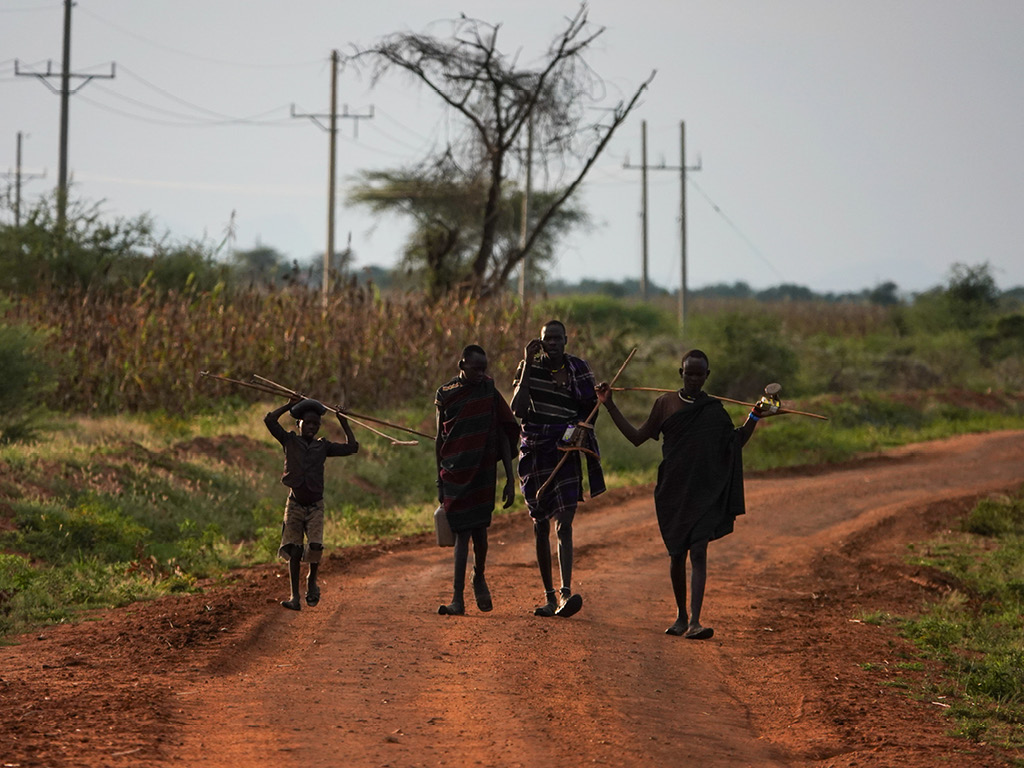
475	428
700	479
553	392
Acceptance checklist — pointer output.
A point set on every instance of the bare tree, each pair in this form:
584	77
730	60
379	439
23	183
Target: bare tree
497	99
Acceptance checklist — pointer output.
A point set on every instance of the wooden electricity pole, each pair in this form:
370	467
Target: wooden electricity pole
643	207
65	91
332	129
682	168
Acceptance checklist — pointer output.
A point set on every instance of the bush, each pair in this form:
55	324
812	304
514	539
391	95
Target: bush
25	383
749	353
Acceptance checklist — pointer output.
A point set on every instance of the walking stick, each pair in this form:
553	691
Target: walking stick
346	412
725	399
279	391
588	422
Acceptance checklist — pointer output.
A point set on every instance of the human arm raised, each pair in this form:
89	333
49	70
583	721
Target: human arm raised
350	438
272	420
520	404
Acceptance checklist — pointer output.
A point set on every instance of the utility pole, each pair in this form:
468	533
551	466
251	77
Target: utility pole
19	177
526	209
332	129
65	93
643	207
682	168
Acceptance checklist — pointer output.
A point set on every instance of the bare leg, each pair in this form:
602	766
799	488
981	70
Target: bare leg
457	607
294	567
480	590
563	532
312	588
677	571
542	532
699	561
568	603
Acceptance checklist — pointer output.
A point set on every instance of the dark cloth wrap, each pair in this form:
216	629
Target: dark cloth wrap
539	454
473	418
700	479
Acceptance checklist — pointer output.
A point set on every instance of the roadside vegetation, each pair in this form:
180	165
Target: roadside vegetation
971	642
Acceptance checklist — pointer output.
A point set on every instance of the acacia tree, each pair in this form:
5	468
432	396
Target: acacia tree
446	209
497	99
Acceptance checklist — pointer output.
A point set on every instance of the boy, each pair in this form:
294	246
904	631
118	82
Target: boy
304	458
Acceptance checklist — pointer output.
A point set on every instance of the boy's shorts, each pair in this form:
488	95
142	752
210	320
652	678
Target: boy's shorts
301	522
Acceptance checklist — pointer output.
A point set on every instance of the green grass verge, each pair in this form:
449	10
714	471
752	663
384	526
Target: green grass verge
976	633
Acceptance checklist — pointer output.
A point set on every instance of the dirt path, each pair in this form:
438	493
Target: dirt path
373	677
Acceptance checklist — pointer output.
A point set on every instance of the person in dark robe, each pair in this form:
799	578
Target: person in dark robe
553	394
699	492
475	428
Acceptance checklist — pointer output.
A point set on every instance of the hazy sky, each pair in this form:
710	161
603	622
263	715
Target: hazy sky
843	144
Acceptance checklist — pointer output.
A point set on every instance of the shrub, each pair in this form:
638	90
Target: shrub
25	383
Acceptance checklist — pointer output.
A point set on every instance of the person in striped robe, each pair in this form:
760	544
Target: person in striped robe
553	392
475	428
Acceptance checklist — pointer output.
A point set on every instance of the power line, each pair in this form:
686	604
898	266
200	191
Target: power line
30	8
185	123
188	54
735	228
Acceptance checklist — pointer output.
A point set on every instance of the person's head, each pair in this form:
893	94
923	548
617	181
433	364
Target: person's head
308	423
553	337
473	364
694	371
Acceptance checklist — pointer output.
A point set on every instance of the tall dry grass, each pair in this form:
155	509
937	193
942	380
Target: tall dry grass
142	349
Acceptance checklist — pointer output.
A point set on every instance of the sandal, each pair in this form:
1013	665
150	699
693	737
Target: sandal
312	596
483	596
549	608
571	605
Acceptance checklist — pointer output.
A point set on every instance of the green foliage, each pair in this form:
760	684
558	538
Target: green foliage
975	631
968	300
603	314
996	517
447	209
26	381
94	528
749	352
96	251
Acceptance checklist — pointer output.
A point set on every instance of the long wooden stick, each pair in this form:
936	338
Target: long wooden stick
278	391
719	397
588	420
347	412
283	390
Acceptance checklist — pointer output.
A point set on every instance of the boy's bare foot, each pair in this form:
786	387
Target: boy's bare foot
452	609
292	604
699	633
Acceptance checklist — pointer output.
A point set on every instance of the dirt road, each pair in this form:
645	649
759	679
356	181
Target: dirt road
374	677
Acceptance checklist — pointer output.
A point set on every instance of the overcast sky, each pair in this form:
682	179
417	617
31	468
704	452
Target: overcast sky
842	144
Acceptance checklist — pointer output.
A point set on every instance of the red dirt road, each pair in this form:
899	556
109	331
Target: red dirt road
374	677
